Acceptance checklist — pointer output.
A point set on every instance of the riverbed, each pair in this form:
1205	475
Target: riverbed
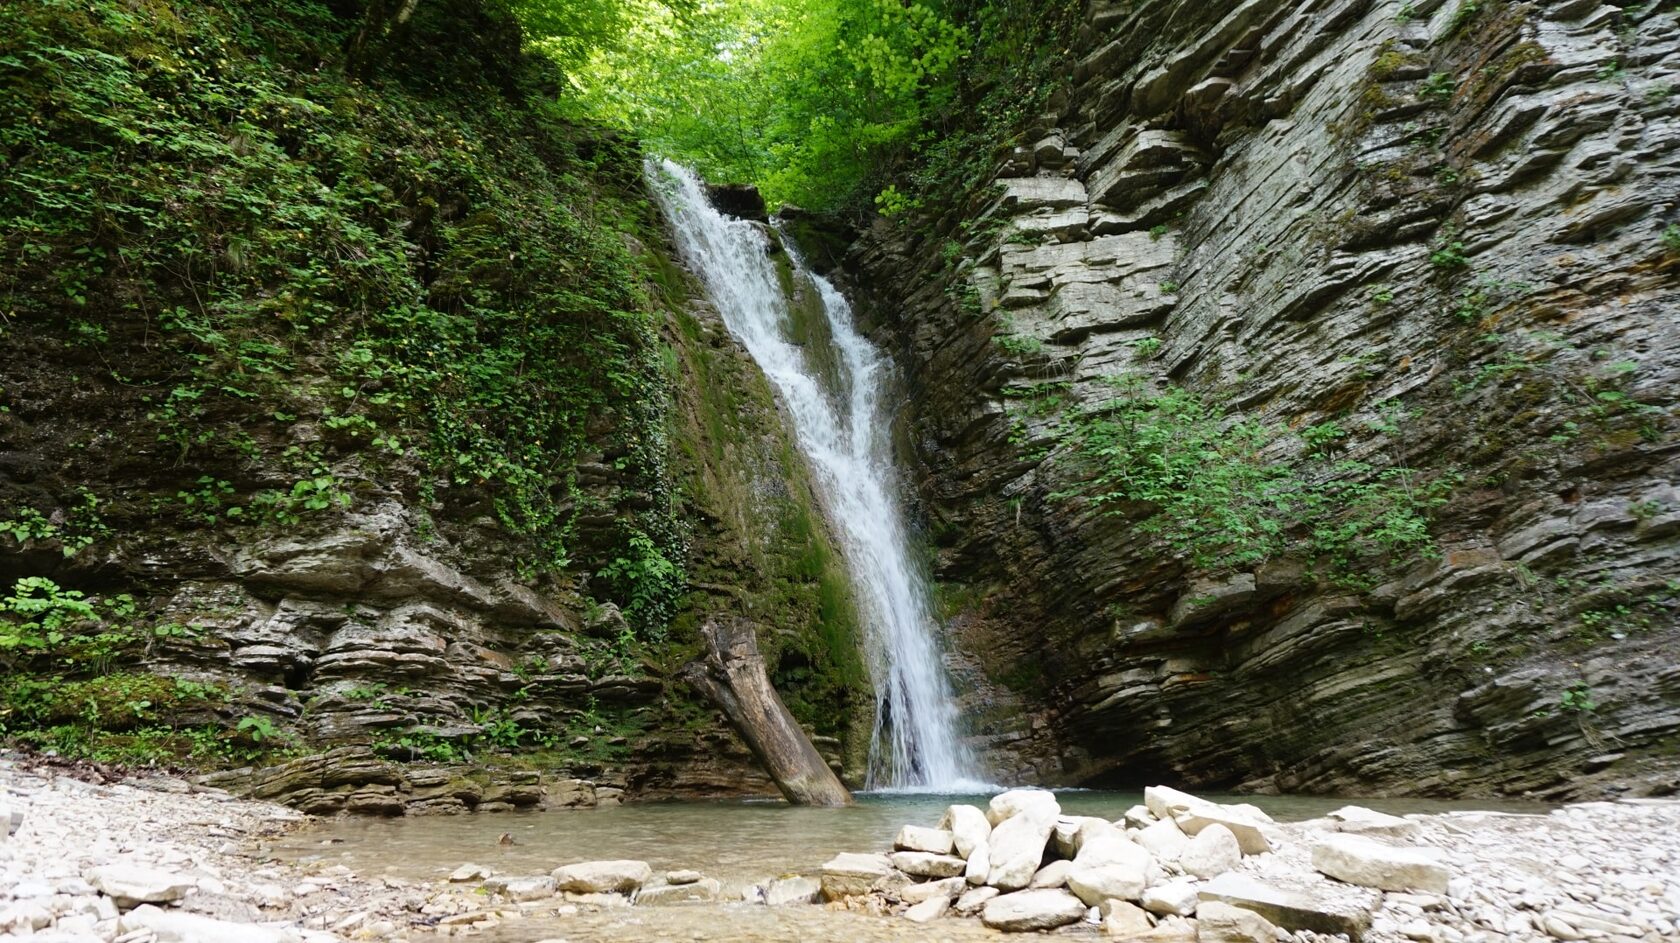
222	868
740	843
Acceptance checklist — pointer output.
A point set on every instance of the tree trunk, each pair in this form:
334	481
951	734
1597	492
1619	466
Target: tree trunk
733	675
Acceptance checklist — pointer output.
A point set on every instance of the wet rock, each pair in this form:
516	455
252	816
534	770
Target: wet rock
603	877
534	887
469	872
1024	911
682	877
787	892
1359	860
850	874
738	199
702	891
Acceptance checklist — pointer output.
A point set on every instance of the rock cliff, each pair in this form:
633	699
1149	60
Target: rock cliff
1294	403
363	423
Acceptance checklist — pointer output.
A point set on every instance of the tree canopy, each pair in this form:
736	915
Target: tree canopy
818	102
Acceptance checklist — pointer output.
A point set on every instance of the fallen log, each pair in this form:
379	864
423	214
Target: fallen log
733	675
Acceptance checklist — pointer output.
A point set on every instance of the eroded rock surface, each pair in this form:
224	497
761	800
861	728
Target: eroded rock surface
1429	241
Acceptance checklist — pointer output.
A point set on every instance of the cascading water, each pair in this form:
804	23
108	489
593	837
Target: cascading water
841	428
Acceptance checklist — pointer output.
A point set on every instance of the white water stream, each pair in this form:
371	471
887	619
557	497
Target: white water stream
842	429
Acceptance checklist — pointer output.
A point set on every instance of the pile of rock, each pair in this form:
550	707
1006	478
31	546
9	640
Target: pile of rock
1178	868
1022	865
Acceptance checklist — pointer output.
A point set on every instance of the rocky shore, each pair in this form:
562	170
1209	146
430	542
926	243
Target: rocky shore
162	859
1180	868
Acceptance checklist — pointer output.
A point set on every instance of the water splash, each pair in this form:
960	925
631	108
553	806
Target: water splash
833	398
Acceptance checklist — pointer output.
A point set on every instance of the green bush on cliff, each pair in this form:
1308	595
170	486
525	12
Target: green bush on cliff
1203	482
405	256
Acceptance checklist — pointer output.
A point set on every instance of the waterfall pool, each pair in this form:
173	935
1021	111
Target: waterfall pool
740	843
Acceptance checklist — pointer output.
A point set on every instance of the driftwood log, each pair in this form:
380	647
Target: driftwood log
733	675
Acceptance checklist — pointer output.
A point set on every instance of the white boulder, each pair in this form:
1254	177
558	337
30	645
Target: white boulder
1222	923
786	892
1007	805
1362	821
979	865
603	877
928	910
1247	830
1126	920
1024	911
1370	863
1016	846
851	875
922	864
948	888
968	826
1211	853
132	884
702	891
1053	874
535	887
174	926
974	898
1174	898
1163	839
936	841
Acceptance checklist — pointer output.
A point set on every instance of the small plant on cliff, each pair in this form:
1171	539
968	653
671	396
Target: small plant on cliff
1439	87
1577	699
1466	13
1671	237
1449	253
1200	479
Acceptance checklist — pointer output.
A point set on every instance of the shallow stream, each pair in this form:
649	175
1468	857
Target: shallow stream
738	842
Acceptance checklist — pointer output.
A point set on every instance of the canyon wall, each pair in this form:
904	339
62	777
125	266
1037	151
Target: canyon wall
360	432
1404	281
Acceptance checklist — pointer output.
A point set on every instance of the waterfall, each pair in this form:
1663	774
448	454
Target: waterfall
841	426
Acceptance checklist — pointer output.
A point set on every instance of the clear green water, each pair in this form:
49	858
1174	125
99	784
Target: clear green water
734	841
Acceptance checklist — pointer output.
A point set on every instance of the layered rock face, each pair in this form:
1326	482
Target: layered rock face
437	533
1423	247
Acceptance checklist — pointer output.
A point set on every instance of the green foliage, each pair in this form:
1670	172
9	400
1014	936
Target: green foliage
1465	14
821	102
1449	254
1439	87
1199	479
1671	237
1577	699
650	581
81	525
430	231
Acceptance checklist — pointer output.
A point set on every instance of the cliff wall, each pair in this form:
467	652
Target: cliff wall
1295	402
